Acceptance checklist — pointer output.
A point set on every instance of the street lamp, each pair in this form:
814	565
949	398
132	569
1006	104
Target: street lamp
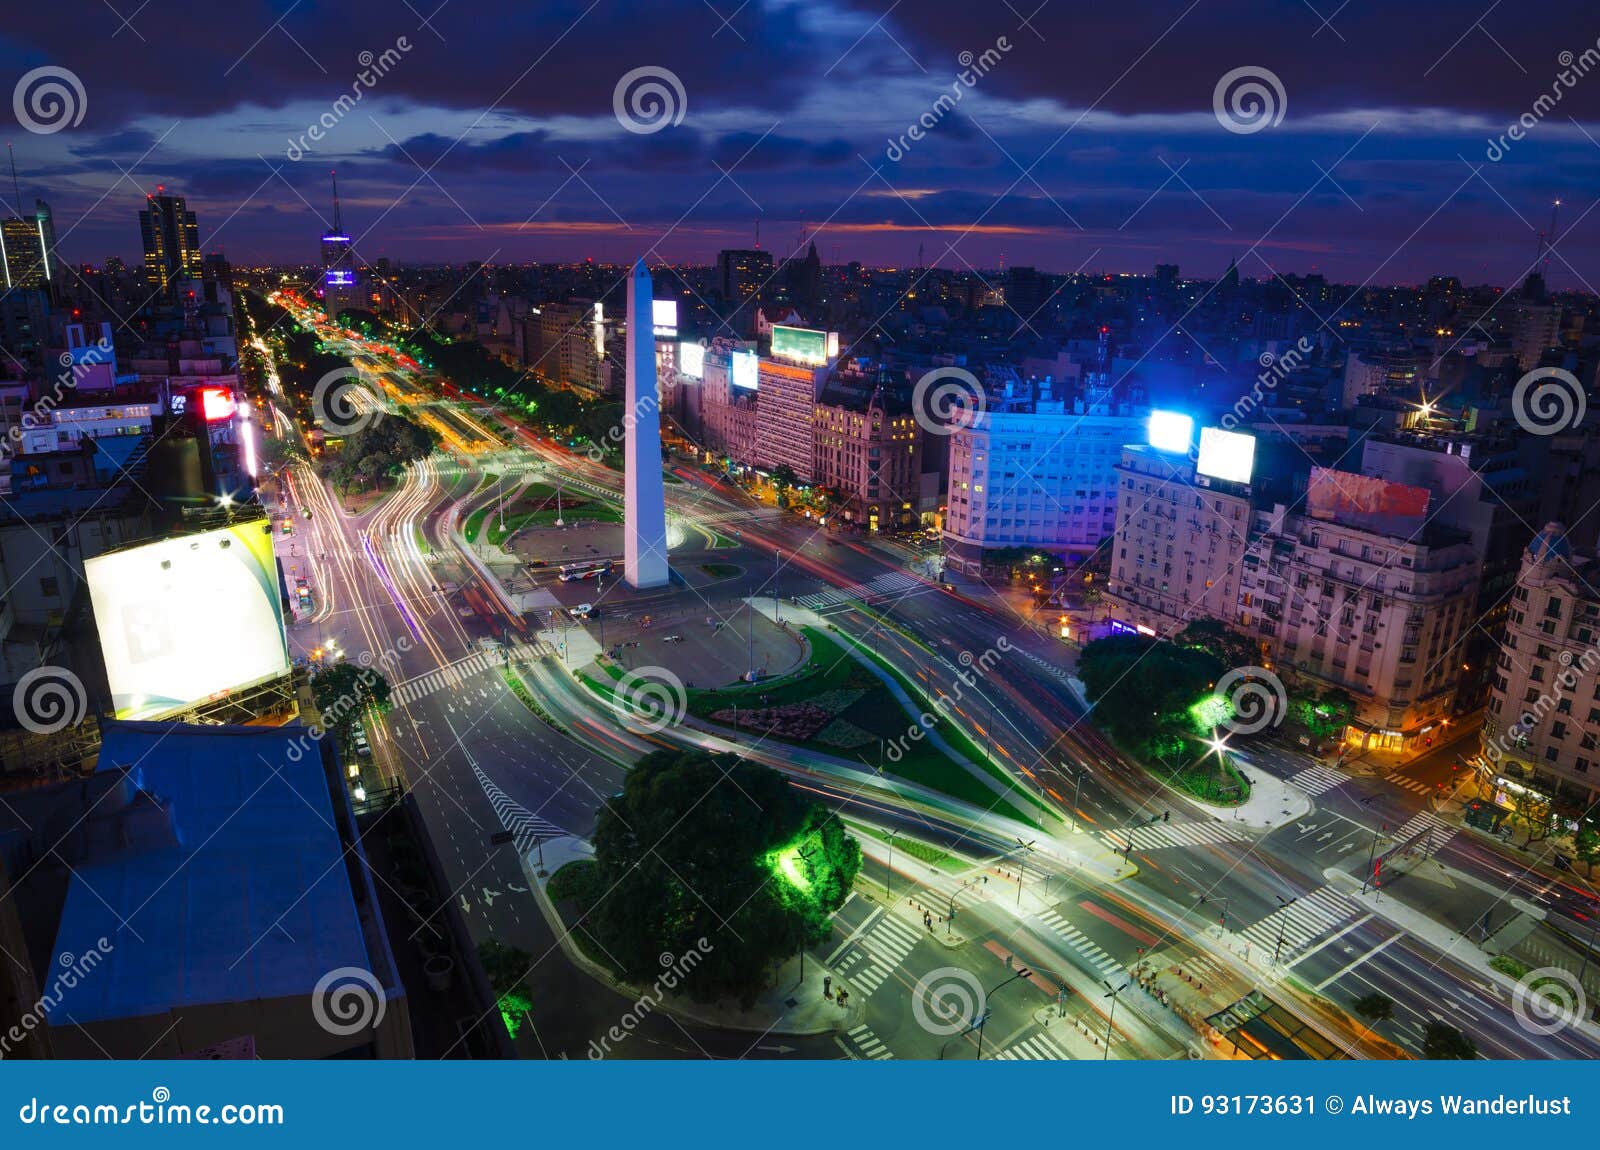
1283	905
1022	972
1022	870
888	874
1112	1016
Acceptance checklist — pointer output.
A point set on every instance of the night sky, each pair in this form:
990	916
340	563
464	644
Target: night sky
1091	142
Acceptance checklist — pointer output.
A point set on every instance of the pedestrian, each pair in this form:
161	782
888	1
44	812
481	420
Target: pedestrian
827	986
844	996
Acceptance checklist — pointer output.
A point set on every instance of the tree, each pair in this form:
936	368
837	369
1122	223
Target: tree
1326	715
1375	1007
505	967
718	856
345	691
1586	845
1142	689
1441	1041
1535	809
1213	635
783	477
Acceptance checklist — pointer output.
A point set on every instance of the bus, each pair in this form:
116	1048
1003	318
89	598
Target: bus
571	572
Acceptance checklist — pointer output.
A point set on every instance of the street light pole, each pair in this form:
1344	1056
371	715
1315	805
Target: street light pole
1111	1017
888	874
1022	972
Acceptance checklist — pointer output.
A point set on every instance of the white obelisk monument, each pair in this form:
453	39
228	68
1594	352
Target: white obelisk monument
644	506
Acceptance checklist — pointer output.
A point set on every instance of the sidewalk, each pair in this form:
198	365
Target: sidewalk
791	1005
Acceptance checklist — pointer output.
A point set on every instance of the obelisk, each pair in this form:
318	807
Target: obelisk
644	504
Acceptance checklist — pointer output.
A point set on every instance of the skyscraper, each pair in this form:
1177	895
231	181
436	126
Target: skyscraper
26	243
339	288
171	244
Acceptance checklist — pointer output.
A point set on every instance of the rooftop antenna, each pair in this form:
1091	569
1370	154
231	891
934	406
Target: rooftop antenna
758	233
920	264
337	229
17	187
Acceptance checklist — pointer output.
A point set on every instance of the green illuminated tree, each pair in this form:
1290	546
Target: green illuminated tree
1144	690
715	848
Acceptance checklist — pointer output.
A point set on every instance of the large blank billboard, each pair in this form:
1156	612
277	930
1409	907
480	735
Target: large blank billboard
188	619
1226	455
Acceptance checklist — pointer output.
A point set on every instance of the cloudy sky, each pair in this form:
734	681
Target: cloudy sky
1363	143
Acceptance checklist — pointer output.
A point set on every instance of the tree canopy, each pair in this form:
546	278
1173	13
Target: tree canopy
344	691
1142	688
699	846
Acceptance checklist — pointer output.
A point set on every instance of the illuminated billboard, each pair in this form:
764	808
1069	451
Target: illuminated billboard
664	314
1335	494
188	619
746	370
1226	455
692	359
1171	431
800	344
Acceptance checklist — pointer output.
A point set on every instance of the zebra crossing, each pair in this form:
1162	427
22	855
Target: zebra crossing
527	827
1046	666
454	674
879	587
1102	962
1410	784
1304	920
861	1043
1039	1048
875	952
1157	836
1318	780
1430	831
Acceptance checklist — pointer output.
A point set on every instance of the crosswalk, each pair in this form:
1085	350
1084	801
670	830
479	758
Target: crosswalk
1416	786
1039	1048
874	952
1103	963
1318	780
1159	835
885	586
1311	916
861	1043
1434	832
1045	665
454	674
526	827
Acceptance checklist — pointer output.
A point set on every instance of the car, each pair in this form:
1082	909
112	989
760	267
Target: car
581	611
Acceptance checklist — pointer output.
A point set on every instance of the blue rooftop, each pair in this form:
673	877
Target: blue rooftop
240	893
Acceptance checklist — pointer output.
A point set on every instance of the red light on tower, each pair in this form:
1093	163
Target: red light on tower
216	404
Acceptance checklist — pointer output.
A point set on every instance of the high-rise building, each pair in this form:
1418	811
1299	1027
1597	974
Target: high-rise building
1540	732
340	291
171	244
741	273
867	451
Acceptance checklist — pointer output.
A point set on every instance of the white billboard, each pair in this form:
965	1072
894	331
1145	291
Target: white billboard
1171	431
746	370
664	314
1226	455
692	359
188	619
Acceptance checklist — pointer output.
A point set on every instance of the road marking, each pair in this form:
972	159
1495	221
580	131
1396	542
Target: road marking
1037	1048
1373	953
1330	940
853	935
